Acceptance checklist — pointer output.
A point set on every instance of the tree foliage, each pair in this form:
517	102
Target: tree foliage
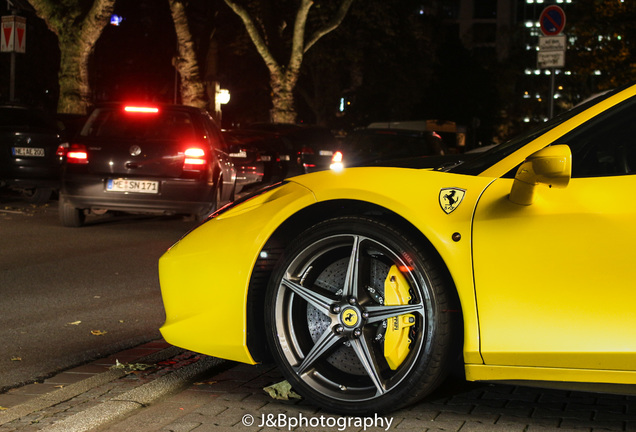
603	55
77	25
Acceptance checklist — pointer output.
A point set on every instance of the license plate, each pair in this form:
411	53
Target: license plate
138	186
28	151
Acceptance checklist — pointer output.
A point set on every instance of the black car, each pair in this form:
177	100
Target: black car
29	163
165	159
256	156
308	148
375	146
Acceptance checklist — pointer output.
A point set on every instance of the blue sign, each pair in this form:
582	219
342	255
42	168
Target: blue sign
552	20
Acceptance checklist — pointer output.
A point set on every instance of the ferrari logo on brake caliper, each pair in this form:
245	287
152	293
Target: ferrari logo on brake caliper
450	198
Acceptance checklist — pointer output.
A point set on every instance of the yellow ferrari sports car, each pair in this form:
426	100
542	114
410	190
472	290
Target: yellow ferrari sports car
367	285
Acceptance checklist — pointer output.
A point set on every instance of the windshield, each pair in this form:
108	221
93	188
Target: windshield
485	160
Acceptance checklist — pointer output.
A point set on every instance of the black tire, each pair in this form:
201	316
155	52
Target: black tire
343	367
213	205
70	216
37	196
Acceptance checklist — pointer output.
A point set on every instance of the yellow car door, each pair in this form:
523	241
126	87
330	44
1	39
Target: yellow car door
555	279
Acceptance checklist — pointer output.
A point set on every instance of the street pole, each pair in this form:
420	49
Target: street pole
552	85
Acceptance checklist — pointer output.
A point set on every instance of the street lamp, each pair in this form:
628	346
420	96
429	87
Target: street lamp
221	97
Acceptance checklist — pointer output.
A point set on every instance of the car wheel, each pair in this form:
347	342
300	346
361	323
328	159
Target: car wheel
70	216
213	205
357	317
38	195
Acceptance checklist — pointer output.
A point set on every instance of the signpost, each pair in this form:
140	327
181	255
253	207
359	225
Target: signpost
552	45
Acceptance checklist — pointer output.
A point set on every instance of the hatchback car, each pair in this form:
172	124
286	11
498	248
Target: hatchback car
29	139
165	159
369	284
374	146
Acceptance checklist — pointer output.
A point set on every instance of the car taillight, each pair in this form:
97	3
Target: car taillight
195	159
141	109
77	154
62	149
307	150
336	161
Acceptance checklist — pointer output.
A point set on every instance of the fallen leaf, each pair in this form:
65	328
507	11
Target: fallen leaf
98	332
205	383
74	323
130	366
121	321
16	358
3	408
59	386
282	391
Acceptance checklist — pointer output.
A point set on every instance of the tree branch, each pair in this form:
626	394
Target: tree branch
298	39
258	41
331	25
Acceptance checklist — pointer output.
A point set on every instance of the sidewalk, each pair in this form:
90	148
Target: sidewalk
185	392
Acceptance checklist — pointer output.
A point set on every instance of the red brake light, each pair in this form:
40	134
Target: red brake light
194	159
76	154
307	150
138	109
337	157
62	149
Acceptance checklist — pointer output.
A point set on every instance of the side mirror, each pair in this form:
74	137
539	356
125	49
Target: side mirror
551	166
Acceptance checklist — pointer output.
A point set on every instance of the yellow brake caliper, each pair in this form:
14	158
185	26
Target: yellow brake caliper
396	339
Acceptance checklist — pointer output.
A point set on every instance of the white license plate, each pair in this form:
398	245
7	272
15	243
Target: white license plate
126	185
28	151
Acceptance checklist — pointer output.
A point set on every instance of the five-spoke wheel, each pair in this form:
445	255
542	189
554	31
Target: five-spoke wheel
357	317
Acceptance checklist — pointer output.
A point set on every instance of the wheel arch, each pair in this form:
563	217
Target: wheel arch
294	226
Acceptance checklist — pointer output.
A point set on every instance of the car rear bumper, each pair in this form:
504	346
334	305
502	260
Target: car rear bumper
174	196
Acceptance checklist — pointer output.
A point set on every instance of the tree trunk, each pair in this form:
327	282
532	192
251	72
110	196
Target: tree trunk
76	39
192	87
283	108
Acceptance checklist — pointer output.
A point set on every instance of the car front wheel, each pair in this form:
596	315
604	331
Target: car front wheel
358	317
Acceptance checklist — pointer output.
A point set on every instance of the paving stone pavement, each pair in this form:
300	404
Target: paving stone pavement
224	396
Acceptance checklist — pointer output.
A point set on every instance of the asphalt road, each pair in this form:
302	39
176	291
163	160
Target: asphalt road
71	295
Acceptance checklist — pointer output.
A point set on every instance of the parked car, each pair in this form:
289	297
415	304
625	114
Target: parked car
309	148
256	156
165	159
370	284
29	139
374	146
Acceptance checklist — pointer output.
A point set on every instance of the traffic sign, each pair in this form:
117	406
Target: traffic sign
552	20
551	52
13	34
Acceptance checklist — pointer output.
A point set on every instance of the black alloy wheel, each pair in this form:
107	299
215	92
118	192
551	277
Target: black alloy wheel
333	330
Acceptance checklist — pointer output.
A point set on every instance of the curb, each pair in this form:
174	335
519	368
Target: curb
172	381
139	397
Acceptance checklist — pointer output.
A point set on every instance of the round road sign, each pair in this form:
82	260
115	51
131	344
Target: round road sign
552	20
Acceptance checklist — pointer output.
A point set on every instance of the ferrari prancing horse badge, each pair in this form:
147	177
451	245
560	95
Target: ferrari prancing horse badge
450	198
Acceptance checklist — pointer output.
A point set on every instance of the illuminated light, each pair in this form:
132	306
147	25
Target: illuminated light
137	109
337	157
116	20
195	152
337	166
526	119
223	96
264	255
194	159
77	154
